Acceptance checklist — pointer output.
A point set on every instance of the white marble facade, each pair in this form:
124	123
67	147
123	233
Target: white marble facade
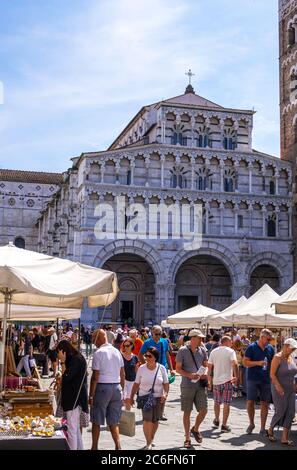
185	150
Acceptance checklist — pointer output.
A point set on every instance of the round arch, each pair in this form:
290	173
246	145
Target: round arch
277	262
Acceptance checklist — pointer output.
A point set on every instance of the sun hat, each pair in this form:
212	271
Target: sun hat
197	333
291	342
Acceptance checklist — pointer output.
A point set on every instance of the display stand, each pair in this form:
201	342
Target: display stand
10	367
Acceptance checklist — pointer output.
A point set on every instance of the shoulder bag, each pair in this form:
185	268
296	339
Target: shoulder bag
203	382
147	402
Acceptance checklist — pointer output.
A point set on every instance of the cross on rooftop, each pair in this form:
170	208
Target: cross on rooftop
190	74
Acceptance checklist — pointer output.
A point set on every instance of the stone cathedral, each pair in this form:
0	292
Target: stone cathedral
182	150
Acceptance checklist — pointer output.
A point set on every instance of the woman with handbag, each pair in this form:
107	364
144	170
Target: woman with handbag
152	386
74	395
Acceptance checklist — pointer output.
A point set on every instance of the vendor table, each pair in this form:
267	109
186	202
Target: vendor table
57	442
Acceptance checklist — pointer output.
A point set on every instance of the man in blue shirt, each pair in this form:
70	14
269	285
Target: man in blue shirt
258	357
161	344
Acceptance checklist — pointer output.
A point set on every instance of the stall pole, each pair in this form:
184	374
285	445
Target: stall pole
79	334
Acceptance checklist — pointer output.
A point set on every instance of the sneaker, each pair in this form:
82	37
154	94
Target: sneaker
216	423
225	428
163	418
250	429
148	447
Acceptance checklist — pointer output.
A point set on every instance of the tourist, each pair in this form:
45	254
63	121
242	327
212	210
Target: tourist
130	366
165	337
223	362
283	389
74	394
164	357
107	383
137	342
51	351
213	343
87	338
119	339
238	348
151	377
110	334
258	357
25	352
191	359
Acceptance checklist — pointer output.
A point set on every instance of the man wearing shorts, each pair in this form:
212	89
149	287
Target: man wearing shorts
189	360
223	362
107	383
258	357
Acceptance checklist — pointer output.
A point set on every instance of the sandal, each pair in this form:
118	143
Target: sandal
271	437
197	435
187	444
288	443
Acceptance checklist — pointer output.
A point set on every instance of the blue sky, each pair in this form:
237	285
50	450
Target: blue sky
76	71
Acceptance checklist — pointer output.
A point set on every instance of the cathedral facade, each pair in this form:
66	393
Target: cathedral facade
184	151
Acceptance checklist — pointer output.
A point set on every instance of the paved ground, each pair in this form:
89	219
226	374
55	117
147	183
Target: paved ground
170	434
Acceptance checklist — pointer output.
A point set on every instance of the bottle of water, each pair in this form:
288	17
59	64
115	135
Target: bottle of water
265	364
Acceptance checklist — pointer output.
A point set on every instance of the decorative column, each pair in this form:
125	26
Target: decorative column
276	175
250	178
162	170
250	219
117	170
263	173
102	172
277	211
222	128
236	170
222	167
147	166
236	211
290	212
221	218
171	307
250	135
207	218
264	213
193	123
192	173
132	166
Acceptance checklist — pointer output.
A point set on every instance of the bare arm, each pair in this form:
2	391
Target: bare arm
122	374
141	358
183	373
235	369
248	363
169	362
93	385
134	390
274	366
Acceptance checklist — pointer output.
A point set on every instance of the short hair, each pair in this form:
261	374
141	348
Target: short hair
154	352
267	333
216	337
157	328
225	339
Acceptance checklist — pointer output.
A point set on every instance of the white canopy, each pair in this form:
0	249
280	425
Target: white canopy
287	303
235	305
193	316
256	311
42	280
29	313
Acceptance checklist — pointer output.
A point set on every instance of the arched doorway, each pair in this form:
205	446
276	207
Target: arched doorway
203	280
135	303
264	274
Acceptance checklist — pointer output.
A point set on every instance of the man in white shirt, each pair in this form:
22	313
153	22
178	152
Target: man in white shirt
223	362
107	383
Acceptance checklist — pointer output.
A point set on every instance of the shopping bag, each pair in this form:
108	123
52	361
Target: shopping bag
127	423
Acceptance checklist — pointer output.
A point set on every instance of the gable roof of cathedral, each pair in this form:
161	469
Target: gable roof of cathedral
31	176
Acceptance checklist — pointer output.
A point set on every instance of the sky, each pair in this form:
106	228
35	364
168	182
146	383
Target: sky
75	72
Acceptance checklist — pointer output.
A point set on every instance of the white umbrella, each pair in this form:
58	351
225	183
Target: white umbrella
31	278
30	313
192	316
231	310
287	303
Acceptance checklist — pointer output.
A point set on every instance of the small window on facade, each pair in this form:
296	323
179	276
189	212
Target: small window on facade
271	228
229	143
20	242
263	184
129	177
272	188
292	36
240	221
228	185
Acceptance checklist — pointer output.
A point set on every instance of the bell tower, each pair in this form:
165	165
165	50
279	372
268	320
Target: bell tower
288	79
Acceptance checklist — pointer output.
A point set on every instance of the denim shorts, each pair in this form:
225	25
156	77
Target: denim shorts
259	390
107	405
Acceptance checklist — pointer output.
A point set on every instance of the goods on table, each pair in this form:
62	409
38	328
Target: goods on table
28	401
18	426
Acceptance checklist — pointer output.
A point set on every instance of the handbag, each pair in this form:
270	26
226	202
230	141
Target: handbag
203	382
147	402
127	423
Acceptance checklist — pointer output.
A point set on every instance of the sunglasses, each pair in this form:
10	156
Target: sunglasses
127	345
149	356
157	334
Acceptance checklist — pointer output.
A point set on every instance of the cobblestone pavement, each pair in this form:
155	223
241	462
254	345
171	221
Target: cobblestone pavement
170	434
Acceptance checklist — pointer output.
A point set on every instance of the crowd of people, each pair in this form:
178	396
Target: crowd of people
133	367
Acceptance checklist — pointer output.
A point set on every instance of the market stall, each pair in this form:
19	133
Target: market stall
37	280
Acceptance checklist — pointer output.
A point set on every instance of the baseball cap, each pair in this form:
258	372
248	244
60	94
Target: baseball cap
194	333
291	342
